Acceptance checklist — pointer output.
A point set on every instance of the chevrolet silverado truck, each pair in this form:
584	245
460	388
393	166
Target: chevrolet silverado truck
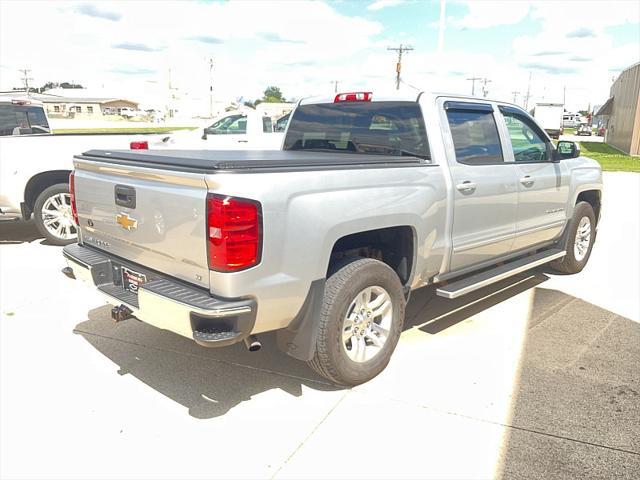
323	241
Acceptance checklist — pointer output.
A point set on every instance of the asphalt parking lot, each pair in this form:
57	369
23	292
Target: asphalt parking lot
535	377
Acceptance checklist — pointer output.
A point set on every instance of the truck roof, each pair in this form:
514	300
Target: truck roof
402	96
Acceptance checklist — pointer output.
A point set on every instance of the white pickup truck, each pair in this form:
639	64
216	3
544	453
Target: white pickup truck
35	167
243	129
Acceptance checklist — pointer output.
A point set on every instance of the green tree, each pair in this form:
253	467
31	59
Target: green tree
50	85
272	95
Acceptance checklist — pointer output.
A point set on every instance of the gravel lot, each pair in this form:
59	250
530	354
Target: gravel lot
536	377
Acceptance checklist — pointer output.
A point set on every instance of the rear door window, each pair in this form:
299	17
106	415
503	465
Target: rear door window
22	120
379	128
475	135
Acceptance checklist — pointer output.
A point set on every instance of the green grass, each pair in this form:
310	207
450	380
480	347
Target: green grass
132	130
611	159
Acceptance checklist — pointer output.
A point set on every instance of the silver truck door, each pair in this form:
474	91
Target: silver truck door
485	185
543	185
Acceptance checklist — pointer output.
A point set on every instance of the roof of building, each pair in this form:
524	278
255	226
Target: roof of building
50	98
606	107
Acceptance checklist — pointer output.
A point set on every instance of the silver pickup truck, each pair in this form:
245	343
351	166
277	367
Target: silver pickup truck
324	240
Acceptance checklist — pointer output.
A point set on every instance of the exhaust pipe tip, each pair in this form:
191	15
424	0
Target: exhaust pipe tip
252	343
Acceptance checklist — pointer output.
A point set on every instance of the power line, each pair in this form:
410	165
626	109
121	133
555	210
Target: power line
210	87
26	78
411	86
526	99
473	84
485	90
401	49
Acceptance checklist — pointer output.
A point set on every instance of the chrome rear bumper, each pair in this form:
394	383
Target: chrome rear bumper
163	301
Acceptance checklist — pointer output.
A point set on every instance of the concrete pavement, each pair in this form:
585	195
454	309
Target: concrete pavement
535	377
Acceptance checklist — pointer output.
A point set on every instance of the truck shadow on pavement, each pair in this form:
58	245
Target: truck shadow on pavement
19	231
209	382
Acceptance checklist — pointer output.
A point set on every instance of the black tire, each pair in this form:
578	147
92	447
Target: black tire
330	359
59	188
569	263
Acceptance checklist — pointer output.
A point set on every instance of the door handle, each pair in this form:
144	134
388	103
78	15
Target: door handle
527	181
466	186
243	141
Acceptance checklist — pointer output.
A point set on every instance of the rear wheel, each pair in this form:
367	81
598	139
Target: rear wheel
580	236
53	217
360	322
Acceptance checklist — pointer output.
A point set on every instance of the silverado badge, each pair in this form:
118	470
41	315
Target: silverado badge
126	222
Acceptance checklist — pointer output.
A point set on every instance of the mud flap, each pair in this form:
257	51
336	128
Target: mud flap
299	338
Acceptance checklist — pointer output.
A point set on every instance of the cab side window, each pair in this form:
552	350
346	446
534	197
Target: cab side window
528	143
475	136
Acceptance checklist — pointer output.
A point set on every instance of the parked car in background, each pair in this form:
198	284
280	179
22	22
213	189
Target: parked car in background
550	117
128	112
572	120
35	167
583	129
243	129
324	240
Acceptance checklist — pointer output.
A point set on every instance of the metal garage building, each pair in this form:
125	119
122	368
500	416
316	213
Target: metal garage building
623	111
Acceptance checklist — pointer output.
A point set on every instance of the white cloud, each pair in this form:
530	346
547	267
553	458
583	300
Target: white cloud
486	14
380	4
130	47
129	44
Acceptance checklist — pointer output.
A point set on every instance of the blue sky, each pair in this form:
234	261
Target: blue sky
134	48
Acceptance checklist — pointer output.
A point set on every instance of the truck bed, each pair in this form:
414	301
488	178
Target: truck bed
212	161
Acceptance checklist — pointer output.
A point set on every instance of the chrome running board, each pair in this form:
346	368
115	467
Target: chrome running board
469	284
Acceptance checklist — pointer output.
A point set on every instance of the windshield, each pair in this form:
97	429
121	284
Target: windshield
229	125
381	128
22	120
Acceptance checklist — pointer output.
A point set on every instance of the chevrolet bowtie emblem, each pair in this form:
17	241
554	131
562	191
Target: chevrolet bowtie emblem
126	222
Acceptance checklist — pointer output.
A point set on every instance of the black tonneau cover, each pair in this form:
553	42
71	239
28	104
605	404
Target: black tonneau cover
212	161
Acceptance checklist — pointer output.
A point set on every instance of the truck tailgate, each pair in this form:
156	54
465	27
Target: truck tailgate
155	218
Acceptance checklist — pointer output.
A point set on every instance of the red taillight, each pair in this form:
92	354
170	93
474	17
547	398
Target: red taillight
72	194
143	145
234	233
353	97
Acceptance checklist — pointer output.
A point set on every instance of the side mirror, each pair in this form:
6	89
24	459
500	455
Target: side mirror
566	149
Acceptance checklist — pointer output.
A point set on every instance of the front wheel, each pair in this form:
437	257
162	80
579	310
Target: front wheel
580	235
53	217
360	322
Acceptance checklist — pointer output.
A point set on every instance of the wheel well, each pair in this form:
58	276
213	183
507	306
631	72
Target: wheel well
592	197
393	246
40	182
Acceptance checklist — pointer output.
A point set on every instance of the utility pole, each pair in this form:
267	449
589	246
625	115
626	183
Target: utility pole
515	96
210	87
526	99
564	95
335	85
26	78
473	84
401	49
485	90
